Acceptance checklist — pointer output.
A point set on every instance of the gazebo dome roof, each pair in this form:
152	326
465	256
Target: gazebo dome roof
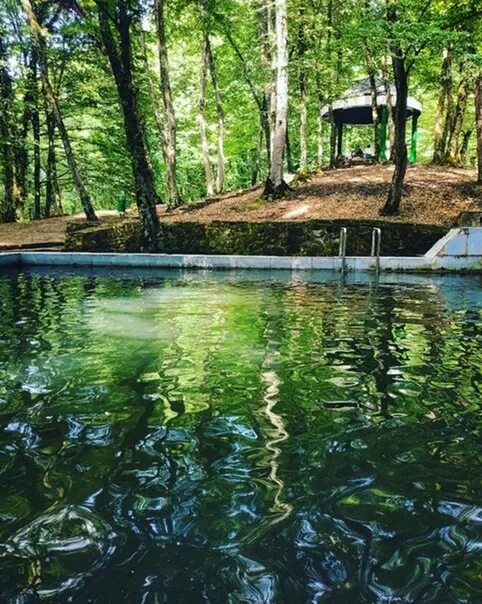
354	106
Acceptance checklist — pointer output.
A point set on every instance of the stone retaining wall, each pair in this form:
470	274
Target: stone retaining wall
309	238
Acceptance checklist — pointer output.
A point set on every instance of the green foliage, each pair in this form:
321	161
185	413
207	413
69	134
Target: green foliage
336	36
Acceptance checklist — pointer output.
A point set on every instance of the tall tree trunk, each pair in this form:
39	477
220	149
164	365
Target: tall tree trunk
202	121
275	186
375	113
303	122
390	108
35	119
333	77
169	147
166	132
266	63
449	118
153	91
264	119
55	109
391	124
331	118
478	122
289	156
320	134
220	175
120	60
53	200
302	82
271	85
452	155
394	198
259	98
372	72
207	51
257	157
464	146
445	90
21	165
37	183
8	208
21	153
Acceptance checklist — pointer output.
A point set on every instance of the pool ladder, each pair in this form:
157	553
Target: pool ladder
375	252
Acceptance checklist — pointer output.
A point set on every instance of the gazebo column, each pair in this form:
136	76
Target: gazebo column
383	134
339	150
413	146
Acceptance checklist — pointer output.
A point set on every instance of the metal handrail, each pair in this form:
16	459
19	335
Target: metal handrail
376	246
342	249
375	252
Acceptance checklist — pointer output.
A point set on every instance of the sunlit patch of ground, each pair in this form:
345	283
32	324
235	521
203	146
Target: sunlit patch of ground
301	210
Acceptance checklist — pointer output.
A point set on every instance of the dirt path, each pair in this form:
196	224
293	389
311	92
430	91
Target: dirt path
432	195
46	233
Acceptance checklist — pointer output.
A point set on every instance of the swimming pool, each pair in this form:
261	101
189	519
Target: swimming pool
240	437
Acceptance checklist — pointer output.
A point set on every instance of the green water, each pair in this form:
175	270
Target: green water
226	438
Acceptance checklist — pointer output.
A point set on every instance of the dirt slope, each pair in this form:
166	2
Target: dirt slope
433	195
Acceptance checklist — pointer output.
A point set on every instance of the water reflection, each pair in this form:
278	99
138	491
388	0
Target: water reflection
219	438
63	547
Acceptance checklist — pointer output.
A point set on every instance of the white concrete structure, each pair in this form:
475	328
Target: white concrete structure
464	241
459	251
355	104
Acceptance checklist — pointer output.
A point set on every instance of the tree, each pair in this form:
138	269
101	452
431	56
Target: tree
209	65
400	72
275	186
409	29
260	97
33	111
39	42
372	77
169	143
53	200
202	118
115	17
21	153
478	122
444	99
330	23
453	143
8	209
303	88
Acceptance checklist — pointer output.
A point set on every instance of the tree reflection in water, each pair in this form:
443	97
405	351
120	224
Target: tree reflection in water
218	438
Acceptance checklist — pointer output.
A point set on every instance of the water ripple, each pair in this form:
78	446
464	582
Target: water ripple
229	437
61	549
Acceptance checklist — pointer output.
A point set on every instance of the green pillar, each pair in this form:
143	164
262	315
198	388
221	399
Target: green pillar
383	134
340	140
413	146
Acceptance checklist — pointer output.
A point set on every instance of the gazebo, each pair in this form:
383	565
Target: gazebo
355	108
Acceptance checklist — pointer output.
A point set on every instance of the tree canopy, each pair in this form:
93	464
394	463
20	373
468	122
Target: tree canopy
173	100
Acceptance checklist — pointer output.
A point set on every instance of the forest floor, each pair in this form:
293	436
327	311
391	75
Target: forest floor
48	233
432	195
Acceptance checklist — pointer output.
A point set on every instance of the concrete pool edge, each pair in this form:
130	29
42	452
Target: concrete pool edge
351	264
459	251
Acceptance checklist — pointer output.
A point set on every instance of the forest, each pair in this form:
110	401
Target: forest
170	101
